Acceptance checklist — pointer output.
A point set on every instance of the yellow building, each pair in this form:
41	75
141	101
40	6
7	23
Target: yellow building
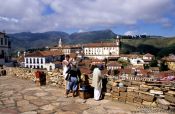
170	61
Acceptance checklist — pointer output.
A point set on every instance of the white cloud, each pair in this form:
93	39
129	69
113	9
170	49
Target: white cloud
81	30
82	14
131	33
9	19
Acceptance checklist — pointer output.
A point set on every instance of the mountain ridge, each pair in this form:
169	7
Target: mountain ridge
143	44
27	40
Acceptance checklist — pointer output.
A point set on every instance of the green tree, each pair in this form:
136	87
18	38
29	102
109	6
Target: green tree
163	66
153	63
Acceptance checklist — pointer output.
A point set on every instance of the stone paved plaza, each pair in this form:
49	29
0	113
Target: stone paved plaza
19	96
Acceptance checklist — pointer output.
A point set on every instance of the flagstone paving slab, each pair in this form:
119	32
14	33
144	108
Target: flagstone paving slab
29	97
8	111
29	107
48	107
30	112
22	103
24	97
39	102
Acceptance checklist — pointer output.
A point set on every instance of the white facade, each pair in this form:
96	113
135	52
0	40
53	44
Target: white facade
147	58
49	66
136	61
35	62
38	62
67	51
102	50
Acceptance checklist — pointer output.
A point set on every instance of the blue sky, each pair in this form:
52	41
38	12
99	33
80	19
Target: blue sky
129	17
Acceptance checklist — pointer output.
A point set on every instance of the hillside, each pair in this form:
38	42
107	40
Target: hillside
93	36
27	40
157	46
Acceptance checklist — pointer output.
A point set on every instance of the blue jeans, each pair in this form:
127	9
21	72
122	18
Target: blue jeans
72	84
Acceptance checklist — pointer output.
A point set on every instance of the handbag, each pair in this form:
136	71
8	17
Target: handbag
67	77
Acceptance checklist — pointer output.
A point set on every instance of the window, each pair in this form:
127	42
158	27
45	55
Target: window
37	60
5	41
1	41
33	60
41	61
30	60
41	66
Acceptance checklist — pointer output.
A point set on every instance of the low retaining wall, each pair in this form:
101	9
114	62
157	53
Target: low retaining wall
52	78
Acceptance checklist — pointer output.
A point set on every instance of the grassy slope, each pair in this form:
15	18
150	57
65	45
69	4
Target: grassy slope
158	43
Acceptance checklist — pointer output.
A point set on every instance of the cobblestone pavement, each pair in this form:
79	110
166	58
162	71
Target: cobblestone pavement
19	96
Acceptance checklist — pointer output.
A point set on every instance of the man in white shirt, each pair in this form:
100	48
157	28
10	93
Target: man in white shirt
97	83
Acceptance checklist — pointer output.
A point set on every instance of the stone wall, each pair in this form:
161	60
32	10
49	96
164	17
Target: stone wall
153	94
53	78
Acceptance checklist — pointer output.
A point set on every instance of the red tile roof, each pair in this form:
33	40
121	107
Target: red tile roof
44	53
144	72
102	44
126	70
165	74
170	58
114	63
131	55
96	60
148	55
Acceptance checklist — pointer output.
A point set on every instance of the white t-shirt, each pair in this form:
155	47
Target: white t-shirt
65	68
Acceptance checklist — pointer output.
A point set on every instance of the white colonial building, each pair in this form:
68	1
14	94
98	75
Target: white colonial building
5	46
42	60
102	50
147	58
67	49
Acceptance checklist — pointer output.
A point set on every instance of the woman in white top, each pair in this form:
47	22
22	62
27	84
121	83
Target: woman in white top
65	64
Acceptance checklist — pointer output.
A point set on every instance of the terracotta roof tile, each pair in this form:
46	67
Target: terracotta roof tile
102	44
170	58
44	53
126	70
131	55
148	55
96	60
113	63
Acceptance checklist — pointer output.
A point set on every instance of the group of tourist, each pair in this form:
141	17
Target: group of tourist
72	73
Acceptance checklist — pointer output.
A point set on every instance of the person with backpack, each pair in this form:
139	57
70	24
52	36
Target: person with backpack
73	78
